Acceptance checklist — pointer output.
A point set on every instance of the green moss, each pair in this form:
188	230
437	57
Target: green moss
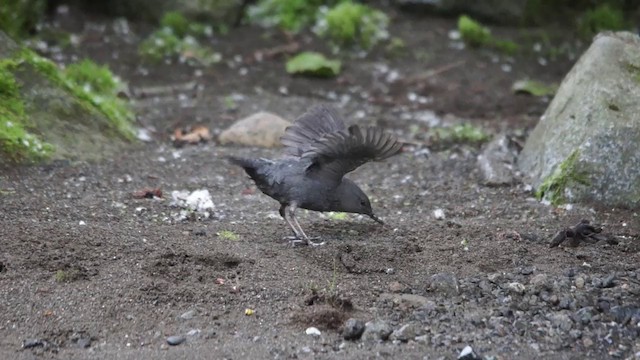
565	176
290	15
603	17
228	235
351	24
472	32
16	143
463	133
98	86
68	275
19	17
313	64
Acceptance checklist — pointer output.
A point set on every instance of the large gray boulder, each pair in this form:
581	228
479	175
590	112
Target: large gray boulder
586	147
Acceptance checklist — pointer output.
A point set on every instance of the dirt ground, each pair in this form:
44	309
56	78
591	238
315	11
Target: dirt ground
88	271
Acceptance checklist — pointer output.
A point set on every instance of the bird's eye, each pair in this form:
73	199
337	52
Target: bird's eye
363	203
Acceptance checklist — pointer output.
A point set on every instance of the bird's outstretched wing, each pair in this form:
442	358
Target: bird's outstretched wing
309	127
337	153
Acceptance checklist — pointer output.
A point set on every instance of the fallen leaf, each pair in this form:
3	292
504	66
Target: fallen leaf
147	193
248	312
196	135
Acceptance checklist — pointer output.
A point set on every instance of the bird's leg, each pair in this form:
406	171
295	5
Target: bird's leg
297	237
292	215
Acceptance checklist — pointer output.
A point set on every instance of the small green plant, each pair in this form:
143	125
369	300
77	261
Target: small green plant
163	44
533	87
463	133
313	64
18	17
340	216
603	17
228	235
183	27
565	176
351	24
472	32
290	15
475	34
67	275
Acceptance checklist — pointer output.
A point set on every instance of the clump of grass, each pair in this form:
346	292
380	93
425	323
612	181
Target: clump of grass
228	235
351	24
177	37
600	18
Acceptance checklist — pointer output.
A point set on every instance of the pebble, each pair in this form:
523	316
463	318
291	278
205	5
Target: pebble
378	330
608	282
31	343
444	283
175	340
405	333
562	321
468	354
539	282
580	282
516	288
188	315
353	329
313	331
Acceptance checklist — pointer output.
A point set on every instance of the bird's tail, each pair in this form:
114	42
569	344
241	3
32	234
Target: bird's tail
250	166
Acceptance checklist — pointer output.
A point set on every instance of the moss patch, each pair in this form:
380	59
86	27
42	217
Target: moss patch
93	87
16	143
350	24
566	175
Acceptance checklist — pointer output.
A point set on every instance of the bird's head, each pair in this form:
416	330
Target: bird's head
351	199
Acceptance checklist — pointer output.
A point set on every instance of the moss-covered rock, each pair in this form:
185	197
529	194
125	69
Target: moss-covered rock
48	112
586	147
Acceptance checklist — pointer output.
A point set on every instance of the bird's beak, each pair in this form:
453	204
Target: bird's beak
377	219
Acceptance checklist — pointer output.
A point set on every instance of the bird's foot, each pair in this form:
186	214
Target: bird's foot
296	241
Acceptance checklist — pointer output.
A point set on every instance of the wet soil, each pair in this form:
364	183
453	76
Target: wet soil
89	271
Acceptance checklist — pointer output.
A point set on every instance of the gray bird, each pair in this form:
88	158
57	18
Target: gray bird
319	151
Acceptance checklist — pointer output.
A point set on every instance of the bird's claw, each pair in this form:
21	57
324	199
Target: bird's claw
295	241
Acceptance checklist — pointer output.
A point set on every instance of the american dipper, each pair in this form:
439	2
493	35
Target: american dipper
319	151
